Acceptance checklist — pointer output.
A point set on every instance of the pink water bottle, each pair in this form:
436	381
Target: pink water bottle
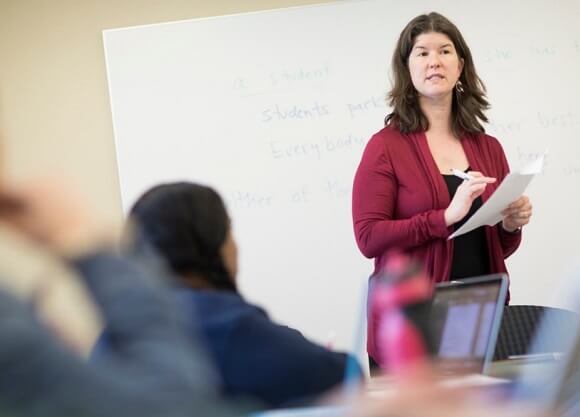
400	299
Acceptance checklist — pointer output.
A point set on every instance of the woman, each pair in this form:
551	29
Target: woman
404	196
189	226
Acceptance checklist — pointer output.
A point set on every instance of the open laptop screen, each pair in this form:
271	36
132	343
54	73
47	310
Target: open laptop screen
465	319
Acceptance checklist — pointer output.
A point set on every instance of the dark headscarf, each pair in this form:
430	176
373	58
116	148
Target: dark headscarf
187	224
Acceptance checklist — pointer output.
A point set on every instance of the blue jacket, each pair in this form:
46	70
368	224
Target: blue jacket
258	357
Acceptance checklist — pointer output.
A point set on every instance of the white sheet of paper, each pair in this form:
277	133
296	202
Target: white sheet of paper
511	188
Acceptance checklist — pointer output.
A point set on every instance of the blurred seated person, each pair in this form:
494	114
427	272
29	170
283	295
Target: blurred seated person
187	224
154	370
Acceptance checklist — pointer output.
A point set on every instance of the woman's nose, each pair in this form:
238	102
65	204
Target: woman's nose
434	62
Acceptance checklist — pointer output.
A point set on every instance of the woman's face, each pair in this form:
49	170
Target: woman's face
229	252
434	66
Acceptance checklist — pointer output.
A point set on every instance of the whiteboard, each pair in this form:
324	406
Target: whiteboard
274	109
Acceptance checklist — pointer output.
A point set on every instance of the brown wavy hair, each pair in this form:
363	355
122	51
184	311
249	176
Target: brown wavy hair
469	101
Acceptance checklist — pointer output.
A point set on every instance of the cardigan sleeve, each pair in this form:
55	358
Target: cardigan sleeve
509	241
374	197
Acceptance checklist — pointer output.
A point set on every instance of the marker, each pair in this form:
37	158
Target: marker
461	174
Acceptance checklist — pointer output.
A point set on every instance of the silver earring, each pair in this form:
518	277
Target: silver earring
459	87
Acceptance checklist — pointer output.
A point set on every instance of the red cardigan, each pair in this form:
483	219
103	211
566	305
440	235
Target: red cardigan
399	197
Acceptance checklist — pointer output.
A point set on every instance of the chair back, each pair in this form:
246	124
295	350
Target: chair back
519	325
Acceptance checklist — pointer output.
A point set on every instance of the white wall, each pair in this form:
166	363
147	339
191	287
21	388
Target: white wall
274	109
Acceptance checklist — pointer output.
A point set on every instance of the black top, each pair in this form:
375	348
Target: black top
470	252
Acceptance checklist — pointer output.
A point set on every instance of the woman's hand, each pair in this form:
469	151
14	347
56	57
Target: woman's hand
517	214
464	196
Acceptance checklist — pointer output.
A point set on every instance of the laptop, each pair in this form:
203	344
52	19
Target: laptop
468	309
465	319
557	393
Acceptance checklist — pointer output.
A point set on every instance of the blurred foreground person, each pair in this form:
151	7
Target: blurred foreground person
154	369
